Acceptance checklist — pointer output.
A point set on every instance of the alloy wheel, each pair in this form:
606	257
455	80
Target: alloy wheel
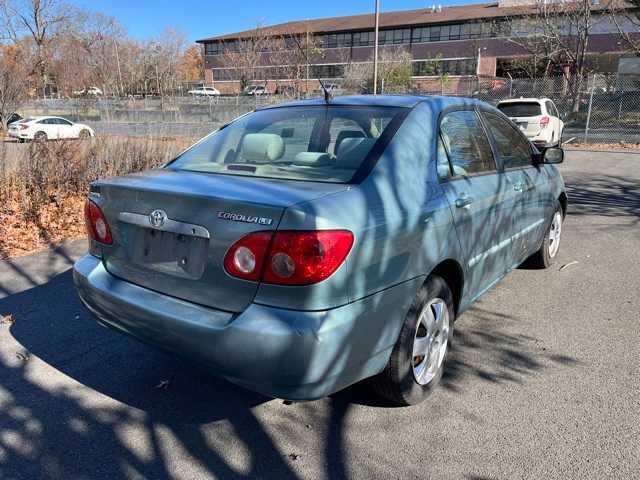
554	234
431	341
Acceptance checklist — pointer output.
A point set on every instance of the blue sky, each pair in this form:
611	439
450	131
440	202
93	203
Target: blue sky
206	18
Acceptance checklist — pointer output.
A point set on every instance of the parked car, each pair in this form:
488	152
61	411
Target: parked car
255	90
538	118
88	92
204	92
14	117
307	246
41	129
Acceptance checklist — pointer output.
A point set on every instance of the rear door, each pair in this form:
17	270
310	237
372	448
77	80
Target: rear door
479	198
64	128
514	154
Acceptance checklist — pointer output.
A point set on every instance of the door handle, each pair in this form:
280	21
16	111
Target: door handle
518	187
463	201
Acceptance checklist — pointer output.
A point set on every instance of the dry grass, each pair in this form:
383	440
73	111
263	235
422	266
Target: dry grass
43	186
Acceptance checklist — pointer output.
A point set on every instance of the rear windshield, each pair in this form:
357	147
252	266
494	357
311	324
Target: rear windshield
520	109
319	143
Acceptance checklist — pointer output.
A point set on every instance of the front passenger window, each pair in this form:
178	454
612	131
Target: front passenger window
466	143
513	149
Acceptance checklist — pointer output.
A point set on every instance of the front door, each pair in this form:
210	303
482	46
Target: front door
479	196
514	154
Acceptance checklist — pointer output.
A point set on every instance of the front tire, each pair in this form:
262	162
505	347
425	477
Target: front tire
546	254
419	355
84	135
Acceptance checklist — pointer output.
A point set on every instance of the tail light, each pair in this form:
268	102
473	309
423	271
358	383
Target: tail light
96	223
544	121
23	126
288	257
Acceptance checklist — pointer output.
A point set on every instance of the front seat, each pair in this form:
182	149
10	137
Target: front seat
346	134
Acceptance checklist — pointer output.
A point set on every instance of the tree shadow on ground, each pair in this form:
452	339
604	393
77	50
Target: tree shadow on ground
55	429
605	195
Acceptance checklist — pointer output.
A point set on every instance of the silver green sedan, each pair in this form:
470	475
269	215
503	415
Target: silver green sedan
307	246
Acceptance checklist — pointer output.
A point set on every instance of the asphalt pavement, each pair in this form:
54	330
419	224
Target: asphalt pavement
544	380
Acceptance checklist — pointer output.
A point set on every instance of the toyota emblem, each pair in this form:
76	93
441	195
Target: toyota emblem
157	218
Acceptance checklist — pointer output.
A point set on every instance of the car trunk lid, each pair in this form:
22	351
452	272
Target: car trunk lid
171	230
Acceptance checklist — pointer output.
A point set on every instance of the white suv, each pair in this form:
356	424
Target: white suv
538	119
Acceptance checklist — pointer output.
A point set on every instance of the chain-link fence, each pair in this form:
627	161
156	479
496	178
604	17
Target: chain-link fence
605	109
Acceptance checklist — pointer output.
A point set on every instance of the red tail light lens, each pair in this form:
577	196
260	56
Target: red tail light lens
246	257
544	121
96	223
291	258
23	126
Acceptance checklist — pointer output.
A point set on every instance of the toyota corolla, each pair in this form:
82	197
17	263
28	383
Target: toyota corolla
307	246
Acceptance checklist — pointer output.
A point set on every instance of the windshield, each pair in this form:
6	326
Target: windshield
319	143
520	109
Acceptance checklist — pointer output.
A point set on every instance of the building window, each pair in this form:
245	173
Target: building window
363	39
436	67
212	48
327	71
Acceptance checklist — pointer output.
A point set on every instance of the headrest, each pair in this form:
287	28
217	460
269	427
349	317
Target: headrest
312	159
347	134
352	151
262	147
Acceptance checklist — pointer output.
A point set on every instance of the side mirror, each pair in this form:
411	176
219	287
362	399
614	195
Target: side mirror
549	155
552	155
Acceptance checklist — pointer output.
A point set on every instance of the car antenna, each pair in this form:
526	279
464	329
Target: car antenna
327	94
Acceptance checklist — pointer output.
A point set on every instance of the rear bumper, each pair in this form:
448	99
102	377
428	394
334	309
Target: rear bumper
280	353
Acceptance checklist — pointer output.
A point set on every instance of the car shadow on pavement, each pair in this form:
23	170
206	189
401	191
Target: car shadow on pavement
53	428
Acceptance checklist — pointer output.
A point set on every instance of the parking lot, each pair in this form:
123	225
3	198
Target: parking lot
543	382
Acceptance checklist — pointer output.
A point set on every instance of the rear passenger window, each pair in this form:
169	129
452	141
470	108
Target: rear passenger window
513	149
466	143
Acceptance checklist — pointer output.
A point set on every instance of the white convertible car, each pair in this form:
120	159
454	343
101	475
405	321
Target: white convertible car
48	128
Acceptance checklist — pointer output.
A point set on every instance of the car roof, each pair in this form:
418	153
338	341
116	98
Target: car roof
44	117
406	101
523	100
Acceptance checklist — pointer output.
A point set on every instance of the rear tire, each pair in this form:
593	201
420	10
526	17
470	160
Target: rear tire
40	137
84	135
410	377
548	251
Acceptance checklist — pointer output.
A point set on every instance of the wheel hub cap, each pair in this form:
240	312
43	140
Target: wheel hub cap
430	341
554	234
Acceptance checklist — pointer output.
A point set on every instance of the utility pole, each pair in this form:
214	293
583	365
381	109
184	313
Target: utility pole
115	45
375	50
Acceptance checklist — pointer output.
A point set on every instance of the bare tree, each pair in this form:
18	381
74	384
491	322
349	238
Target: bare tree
41	21
626	16
12	86
559	33
394	72
246	54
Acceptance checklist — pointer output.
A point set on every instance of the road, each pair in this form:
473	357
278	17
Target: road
544	380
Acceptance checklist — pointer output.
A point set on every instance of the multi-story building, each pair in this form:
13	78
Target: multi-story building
457	42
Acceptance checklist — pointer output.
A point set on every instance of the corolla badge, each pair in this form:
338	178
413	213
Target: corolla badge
157	218
239	217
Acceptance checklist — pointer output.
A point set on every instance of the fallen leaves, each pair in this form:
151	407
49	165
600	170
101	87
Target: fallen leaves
57	221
